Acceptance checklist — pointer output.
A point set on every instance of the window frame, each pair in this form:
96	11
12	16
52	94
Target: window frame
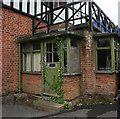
112	48
52	52
68	56
31	53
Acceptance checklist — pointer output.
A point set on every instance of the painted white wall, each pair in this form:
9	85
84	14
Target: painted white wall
119	14
110	7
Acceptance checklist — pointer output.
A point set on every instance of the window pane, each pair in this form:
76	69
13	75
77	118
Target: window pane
65	60
27	62
115	60
36	62
54	47
103	42
27	47
55	57
74	43
49	57
24	62
119	45
115	42
36	46
104	60
65	43
74	60
49	47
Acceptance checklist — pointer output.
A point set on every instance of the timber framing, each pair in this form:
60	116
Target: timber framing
16	10
92	15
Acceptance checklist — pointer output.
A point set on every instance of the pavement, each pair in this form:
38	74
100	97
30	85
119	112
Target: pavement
94	111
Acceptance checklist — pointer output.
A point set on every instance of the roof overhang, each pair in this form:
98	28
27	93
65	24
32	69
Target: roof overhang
102	35
44	35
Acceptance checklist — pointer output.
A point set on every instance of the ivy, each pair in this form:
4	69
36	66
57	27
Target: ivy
58	83
59	79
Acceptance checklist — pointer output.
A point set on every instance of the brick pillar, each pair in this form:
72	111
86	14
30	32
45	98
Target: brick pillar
88	63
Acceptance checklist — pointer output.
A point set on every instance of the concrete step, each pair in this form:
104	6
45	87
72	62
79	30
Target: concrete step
35	97
48	105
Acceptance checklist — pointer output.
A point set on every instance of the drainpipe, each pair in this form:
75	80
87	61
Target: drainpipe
19	52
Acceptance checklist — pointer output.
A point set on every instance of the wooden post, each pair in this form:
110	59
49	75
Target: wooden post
11	3
66	17
35	8
28	7
20	3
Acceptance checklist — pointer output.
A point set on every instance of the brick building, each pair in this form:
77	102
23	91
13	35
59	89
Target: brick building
89	50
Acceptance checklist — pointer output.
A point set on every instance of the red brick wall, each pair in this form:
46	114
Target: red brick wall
92	83
32	83
0	51
87	63
13	25
71	87
106	84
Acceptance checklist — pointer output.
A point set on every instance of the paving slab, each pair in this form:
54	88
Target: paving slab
21	110
48	105
78	113
92	112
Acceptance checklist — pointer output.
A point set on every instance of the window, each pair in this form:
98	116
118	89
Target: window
71	56
103	54
108	53
31	57
51	52
73	43
74	57
117	53
27	61
36	57
104	59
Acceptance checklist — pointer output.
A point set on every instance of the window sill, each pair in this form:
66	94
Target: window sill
70	74
31	73
104	72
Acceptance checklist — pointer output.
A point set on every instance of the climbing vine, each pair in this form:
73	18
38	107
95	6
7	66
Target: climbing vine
59	80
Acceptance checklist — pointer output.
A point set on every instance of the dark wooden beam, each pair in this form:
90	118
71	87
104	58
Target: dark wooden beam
28	7
66	18
11	3
20	8
95	11
16	10
35	8
99	22
76	11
